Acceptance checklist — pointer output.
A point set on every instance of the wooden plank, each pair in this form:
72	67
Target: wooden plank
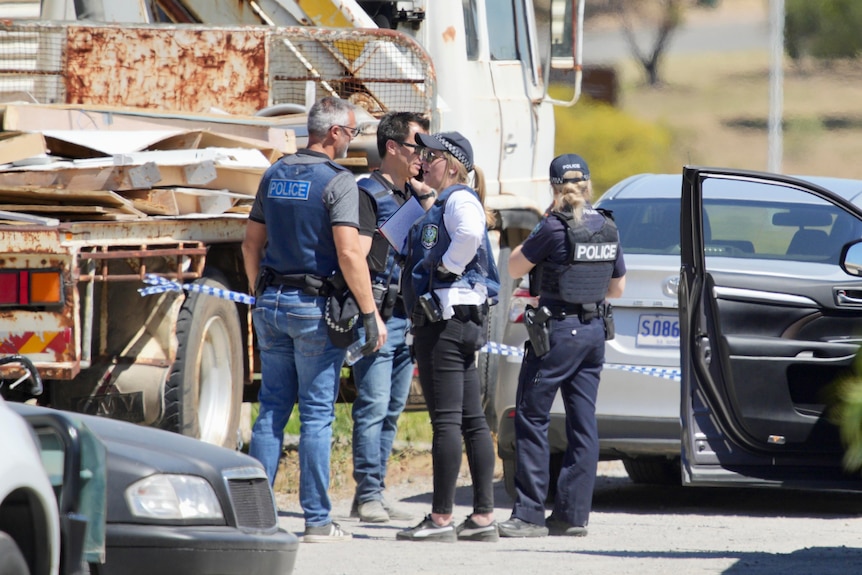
155	202
39	117
20	146
60	198
74	178
206	139
23	219
54	209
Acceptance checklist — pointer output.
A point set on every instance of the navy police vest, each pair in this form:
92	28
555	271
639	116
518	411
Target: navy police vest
383	271
298	223
426	245
585	277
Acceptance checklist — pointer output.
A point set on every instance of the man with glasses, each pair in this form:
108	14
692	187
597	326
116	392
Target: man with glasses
383	379
302	229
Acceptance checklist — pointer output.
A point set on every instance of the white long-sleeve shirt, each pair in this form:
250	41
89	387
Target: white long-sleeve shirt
464	219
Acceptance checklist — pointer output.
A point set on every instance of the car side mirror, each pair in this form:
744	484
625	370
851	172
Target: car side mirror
851	258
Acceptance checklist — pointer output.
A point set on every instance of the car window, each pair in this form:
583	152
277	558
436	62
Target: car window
755	220
646	226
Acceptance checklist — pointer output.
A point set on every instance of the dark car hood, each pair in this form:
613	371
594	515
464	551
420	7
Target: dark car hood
135	451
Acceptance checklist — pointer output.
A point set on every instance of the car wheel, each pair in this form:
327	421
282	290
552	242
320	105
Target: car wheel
488	363
653	470
203	394
13	562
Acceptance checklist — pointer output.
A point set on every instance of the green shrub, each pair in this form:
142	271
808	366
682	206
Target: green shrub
614	144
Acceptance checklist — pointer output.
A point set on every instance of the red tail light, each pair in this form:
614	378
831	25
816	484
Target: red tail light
31	287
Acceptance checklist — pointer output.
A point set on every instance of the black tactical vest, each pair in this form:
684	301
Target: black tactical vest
585	276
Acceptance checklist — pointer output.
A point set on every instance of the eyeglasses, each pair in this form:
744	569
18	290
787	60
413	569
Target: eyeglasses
429	156
352	132
412	147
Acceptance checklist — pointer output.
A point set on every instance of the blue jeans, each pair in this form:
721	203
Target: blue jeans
383	385
297	362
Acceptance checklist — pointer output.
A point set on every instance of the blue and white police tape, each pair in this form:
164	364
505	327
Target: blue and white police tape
501	349
660	372
158	284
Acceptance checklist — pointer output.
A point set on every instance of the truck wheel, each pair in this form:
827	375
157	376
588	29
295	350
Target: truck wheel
13	562
203	394
488	363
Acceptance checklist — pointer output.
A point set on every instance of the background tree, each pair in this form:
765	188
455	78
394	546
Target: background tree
664	16
826	29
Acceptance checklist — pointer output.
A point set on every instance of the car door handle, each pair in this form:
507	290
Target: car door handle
848	297
509	147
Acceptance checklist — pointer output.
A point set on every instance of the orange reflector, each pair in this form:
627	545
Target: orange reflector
45	287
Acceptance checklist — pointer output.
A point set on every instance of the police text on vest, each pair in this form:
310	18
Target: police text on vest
595	252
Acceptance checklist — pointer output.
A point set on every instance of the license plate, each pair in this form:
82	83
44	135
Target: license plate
658	331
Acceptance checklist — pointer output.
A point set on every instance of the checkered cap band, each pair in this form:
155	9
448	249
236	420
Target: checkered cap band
455	151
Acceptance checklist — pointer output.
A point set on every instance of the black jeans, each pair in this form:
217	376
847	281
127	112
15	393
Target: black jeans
450	384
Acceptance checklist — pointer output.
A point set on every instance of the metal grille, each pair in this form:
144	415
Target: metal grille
252	503
31	59
197	68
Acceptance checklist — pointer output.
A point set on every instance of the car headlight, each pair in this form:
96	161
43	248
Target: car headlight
173	497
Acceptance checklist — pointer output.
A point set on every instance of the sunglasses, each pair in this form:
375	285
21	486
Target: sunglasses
352	132
412	147
429	156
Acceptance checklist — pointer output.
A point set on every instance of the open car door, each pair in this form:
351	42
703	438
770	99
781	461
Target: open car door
769	322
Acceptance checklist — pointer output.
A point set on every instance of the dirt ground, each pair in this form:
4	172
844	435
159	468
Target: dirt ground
634	529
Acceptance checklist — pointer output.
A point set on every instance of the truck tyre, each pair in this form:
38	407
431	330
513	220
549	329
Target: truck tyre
11	560
203	394
488	363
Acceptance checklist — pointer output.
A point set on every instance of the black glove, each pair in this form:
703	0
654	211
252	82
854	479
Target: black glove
369	322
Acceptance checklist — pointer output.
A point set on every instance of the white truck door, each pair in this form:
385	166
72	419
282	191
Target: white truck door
516	85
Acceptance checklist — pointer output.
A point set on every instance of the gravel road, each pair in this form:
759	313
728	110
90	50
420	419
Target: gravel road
633	529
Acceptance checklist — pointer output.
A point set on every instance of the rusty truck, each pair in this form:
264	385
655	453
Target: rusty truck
129	120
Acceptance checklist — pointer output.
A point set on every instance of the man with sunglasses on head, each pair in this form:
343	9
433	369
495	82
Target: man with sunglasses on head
383	378
302	229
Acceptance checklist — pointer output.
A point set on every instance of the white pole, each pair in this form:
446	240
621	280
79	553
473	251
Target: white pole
776	83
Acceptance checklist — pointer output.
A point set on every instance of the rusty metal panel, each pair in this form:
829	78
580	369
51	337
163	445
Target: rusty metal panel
174	68
194	68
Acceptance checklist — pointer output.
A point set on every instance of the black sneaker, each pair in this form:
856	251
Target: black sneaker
428	531
514	527
472	531
558	527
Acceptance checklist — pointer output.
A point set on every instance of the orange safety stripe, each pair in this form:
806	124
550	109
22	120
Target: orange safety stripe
35	342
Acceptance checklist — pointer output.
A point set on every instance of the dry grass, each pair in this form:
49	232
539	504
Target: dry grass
717	107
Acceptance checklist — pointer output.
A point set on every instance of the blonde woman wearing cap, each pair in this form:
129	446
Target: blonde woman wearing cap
448	282
575	263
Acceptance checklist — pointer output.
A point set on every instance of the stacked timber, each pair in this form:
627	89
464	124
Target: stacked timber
75	163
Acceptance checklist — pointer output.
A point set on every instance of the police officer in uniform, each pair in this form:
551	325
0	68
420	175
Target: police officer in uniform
302	229
575	263
448	281
383	379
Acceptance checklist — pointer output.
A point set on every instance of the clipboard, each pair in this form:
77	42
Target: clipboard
396	228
